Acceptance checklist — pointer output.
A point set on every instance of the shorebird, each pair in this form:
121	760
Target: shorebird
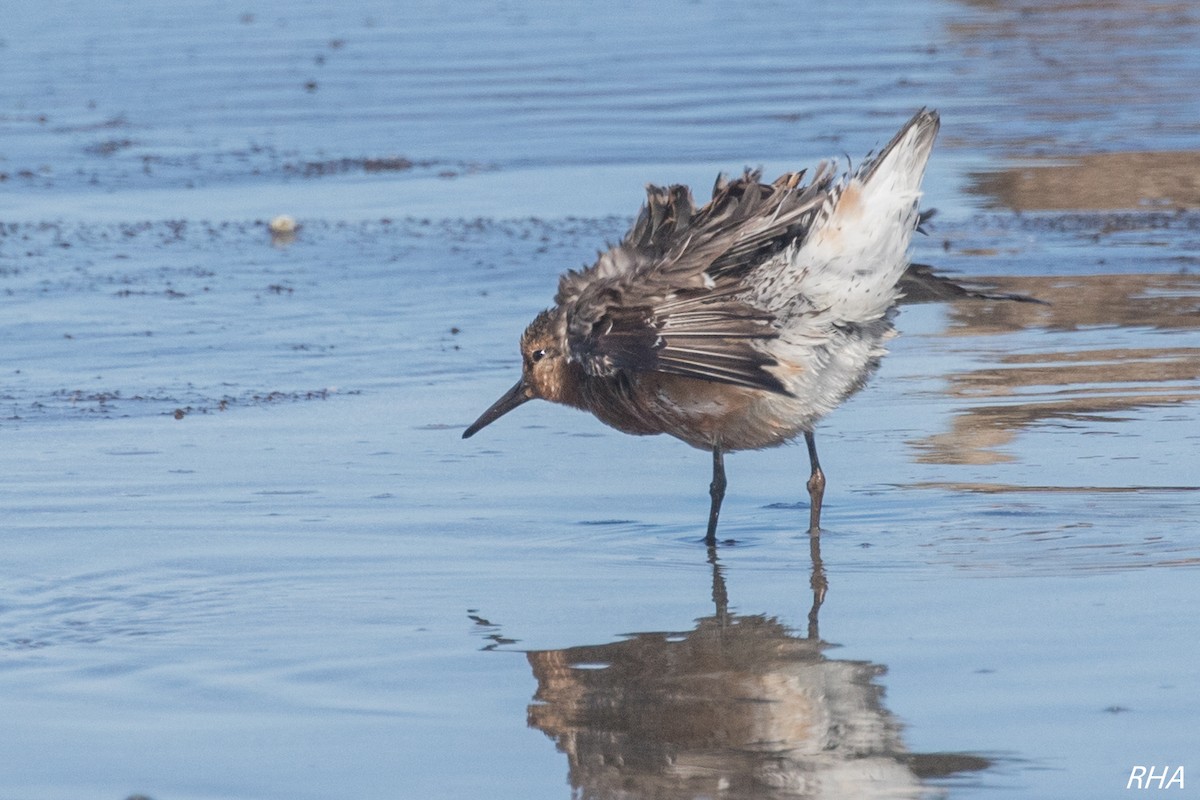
738	325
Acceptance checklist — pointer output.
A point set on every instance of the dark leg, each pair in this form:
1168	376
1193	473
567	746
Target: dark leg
816	486
717	490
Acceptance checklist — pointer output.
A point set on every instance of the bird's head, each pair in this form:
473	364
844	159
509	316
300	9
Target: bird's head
545	372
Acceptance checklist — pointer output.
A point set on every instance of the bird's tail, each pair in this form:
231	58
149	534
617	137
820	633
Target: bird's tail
857	249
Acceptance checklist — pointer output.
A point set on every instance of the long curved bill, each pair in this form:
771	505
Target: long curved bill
507	402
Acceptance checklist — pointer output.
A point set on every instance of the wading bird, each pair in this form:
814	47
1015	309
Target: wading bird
738	325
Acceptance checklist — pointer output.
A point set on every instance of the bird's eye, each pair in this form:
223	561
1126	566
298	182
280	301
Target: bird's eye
537	355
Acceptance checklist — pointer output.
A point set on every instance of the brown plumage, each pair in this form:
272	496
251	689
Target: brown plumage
739	324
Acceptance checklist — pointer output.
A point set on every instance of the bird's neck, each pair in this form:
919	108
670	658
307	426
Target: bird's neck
569	388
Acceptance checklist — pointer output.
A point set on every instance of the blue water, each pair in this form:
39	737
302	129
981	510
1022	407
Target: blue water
247	555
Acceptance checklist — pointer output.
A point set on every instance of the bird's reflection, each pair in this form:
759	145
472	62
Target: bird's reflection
817	582
739	707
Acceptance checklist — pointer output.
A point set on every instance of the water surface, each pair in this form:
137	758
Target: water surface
247	555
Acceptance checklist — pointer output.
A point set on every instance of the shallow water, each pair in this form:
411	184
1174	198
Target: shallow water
246	553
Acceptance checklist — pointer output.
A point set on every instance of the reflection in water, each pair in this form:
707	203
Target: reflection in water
1073	76
1164	302
1022	389
1109	84
1098	181
739	707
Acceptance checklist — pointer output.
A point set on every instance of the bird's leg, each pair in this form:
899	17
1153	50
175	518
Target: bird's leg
716	490
816	486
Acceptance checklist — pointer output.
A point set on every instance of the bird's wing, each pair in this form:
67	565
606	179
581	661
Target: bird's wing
676	244
700	334
668	298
